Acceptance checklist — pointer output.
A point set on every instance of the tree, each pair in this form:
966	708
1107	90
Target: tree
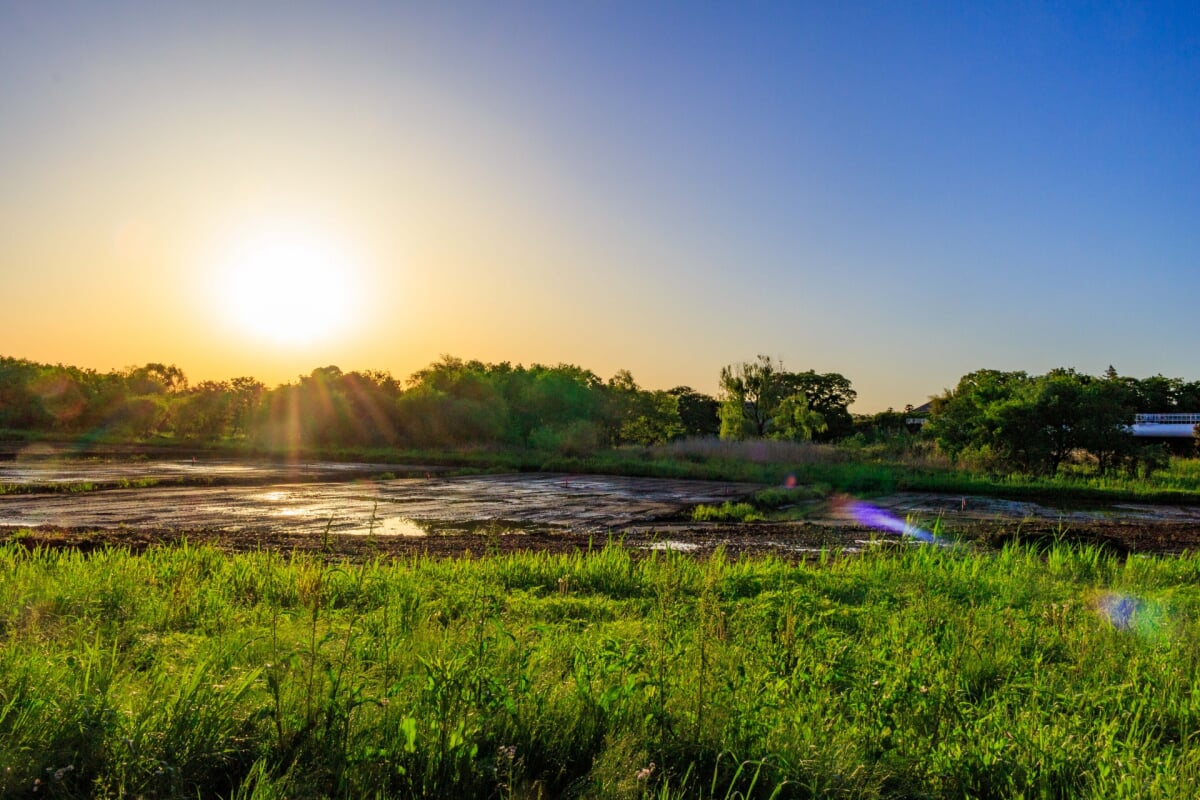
959	419
564	407
371	399
1157	395
796	421
140	416
698	413
1189	397
830	395
882	424
246	394
155	378
1107	407
555	398
20	405
636	416
1059	399
750	397
1012	421
753	396
205	412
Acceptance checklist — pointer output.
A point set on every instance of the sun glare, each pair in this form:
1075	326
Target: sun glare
288	287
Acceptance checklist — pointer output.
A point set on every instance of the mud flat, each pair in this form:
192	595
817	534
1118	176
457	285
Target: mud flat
983	523
361	510
56	474
377	508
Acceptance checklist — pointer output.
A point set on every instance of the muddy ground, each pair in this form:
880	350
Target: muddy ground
364	510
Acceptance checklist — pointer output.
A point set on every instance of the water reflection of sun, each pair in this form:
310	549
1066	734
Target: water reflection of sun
288	287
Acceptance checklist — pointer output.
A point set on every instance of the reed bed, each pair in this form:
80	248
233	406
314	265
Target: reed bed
905	672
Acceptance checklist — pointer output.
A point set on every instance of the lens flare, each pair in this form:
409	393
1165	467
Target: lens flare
874	517
1137	615
1118	609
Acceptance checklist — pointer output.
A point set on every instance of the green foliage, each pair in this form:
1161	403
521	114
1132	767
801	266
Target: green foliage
576	438
728	511
795	420
139	417
915	672
750	395
155	378
205	413
640	417
997	421
1012	421
697	412
829	395
760	399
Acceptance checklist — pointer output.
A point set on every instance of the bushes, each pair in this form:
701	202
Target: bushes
727	512
1011	421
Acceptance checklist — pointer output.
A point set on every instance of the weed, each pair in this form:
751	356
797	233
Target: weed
918	672
728	511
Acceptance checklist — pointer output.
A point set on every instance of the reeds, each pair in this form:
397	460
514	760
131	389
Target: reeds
905	672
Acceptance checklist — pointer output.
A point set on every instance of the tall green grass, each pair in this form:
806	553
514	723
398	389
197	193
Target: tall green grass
849	467
855	471
917	672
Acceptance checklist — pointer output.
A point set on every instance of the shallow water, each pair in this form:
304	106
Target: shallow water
394	507
928	507
30	472
294	505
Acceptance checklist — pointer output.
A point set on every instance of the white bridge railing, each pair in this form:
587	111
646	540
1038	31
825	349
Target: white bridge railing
1166	419
1149	426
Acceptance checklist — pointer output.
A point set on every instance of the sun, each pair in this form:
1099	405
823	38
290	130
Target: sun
287	286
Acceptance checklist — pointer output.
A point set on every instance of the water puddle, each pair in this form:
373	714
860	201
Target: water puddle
51	472
928	507
487	505
674	545
431	511
396	526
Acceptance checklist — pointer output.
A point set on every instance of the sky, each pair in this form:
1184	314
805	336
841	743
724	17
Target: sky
898	192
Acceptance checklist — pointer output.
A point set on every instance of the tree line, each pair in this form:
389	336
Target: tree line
1013	421
449	403
1002	421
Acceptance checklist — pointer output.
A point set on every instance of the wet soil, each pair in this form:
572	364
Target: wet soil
57	475
790	541
361	510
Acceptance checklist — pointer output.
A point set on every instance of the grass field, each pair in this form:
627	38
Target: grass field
861	471
906	672
869	470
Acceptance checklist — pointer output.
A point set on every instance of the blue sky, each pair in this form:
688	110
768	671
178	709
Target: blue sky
900	192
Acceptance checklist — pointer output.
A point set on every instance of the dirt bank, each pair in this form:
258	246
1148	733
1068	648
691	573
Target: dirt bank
791	541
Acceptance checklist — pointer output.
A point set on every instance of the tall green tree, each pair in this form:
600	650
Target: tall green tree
156	378
637	416
963	421
1033	424
750	396
757	397
698	412
246	395
1107	408
828	394
205	411
795	420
